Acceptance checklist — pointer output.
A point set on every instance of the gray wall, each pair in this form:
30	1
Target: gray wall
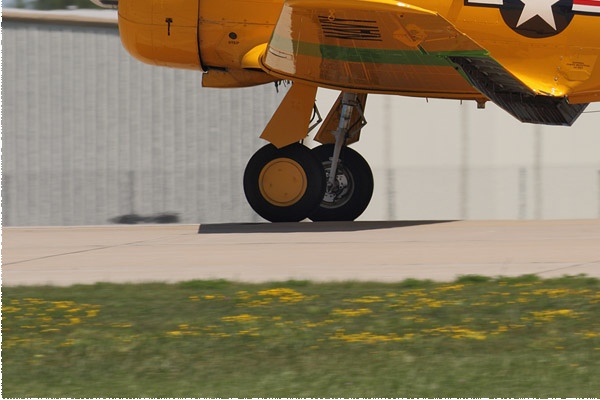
90	133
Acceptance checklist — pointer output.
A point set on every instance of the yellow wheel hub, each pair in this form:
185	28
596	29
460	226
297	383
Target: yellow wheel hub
282	182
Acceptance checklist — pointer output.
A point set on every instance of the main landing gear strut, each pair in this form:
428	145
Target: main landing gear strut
331	182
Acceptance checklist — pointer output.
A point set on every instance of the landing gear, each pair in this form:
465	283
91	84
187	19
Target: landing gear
352	188
284	185
330	183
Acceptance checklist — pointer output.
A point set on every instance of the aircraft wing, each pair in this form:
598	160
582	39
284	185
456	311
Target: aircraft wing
384	46
379	46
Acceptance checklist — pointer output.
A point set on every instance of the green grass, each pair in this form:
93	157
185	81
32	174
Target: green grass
476	337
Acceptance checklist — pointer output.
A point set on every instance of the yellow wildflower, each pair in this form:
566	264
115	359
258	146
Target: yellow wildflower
284	295
351	312
366	299
240	318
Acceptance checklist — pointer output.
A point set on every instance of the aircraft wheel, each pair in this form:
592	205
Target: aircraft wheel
284	185
353	186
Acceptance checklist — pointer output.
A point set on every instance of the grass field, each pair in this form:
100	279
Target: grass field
476	337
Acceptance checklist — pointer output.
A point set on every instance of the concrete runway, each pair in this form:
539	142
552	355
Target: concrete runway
375	251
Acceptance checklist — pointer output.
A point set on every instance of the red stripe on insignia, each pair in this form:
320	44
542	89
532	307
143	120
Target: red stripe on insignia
485	2
595	3
586	6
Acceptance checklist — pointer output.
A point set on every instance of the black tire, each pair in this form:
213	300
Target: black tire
284	185
356	186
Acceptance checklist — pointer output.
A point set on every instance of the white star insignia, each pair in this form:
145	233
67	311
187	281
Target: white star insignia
541	8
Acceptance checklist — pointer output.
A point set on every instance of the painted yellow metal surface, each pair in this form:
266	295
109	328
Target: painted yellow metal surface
291	119
160	32
372	45
562	64
229	29
325	133
394	48
397	47
282	182
235	78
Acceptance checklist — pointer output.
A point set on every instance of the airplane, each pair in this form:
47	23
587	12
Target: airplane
536	59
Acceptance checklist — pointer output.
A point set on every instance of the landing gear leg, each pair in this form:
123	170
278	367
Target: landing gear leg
349	177
286	182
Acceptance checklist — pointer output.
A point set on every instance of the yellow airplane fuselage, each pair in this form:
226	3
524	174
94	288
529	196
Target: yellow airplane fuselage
226	40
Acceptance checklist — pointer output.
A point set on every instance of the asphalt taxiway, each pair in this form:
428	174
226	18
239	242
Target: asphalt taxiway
375	251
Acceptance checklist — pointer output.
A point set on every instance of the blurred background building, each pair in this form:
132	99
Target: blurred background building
91	136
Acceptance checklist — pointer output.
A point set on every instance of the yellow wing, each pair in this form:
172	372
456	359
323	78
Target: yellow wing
377	46
384	46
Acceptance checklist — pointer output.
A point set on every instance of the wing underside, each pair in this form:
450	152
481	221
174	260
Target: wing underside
390	47
379	46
